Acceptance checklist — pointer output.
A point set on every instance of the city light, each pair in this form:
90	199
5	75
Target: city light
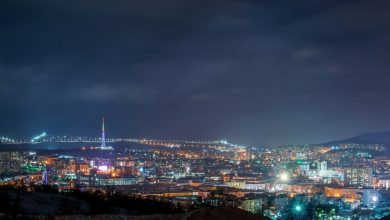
284	177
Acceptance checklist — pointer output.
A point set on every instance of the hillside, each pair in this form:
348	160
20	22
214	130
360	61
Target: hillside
199	214
367	138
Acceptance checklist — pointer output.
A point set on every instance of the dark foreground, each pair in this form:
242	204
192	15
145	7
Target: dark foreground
46	203
199	214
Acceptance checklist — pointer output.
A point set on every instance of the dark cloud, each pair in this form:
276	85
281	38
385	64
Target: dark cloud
108	93
255	72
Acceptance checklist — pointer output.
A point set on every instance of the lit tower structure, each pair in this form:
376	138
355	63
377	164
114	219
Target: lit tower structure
103	146
103	139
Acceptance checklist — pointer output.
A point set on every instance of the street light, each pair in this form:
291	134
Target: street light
284	177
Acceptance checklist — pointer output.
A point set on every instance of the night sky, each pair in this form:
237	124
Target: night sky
253	72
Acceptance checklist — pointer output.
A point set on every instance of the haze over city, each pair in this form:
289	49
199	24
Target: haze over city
253	72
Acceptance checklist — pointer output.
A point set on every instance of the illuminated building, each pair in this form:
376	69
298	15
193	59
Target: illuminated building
321	168
84	168
248	153
236	184
304	167
281	202
73	166
304	188
50	160
117	181
45	178
103	169
384	182
370	197
125	163
252	205
319	198
358	176
349	194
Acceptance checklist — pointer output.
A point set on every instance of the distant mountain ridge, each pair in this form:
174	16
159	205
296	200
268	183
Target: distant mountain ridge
367	138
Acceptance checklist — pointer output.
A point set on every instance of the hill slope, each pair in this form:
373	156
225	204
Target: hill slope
367	138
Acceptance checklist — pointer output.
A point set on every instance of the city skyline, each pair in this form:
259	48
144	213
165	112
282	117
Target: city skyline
250	71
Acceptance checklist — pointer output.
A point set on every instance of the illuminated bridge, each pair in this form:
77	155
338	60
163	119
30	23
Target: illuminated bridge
43	138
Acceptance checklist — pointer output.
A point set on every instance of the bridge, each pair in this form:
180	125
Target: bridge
43	138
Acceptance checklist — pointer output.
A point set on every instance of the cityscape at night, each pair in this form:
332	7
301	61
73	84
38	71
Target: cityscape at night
336	180
195	109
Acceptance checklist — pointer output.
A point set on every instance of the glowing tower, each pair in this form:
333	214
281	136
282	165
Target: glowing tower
103	136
